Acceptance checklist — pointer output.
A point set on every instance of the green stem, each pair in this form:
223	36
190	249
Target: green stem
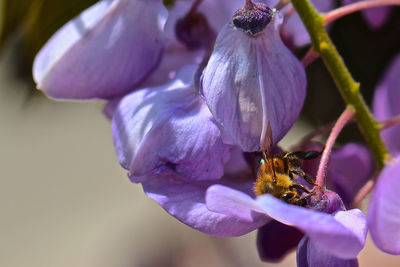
349	89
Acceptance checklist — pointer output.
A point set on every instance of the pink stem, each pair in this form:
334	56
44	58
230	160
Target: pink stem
346	116
348	9
309	57
281	4
363	193
390	122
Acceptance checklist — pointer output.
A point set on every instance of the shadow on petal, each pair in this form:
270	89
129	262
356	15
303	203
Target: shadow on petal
275	240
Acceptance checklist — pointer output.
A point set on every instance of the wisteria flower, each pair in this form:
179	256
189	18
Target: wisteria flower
168	127
386	106
167	139
333	236
383	218
104	52
384	213
252	79
116	46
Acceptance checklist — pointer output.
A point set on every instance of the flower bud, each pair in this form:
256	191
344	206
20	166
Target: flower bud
252	80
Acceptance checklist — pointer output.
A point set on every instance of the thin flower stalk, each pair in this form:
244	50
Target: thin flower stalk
347	86
346	116
390	122
309	57
348	9
363	193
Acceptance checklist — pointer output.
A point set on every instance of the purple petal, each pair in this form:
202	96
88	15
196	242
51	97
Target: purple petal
252	81
231	202
104	52
385	104
168	128
275	240
349	168
186	201
384	212
377	16
343	234
310	254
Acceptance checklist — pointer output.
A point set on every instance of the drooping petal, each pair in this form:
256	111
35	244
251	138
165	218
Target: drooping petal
310	254
275	240
384	212
185	200
104	52
251	81
343	234
376	16
169	127
385	104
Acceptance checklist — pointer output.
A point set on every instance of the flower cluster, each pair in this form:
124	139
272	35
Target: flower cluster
196	91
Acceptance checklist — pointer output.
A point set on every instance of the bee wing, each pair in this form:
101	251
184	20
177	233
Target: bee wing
267	141
266	147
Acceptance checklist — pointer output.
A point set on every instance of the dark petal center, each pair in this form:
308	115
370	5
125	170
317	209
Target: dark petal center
253	19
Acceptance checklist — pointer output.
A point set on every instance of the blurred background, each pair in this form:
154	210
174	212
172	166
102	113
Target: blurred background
64	199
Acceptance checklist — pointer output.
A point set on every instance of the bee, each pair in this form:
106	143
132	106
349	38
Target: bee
275	175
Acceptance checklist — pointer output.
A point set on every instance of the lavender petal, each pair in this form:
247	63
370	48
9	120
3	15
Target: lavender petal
104	52
384	213
168	128
310	254
252	81
343	234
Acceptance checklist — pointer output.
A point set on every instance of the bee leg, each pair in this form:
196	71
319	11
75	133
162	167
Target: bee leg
288	197
306	177
300	187
312	154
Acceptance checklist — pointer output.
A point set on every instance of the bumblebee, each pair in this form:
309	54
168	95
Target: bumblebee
275	175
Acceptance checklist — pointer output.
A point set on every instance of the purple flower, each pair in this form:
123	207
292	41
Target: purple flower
384	212
168	127
340	235
116	46
104	52
385	104
253	80
376	16
167	139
